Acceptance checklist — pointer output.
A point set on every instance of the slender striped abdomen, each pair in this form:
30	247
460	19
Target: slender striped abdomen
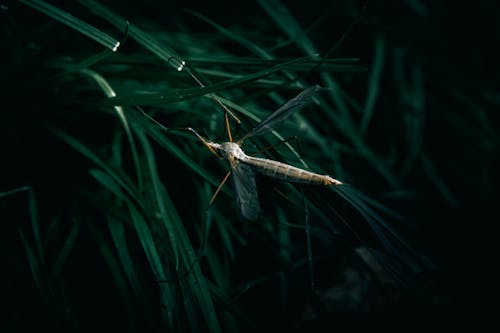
287	172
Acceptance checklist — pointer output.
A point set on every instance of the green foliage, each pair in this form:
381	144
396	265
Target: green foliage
120	230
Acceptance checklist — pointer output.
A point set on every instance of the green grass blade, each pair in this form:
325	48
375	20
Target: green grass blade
158	195
373	84
161	98
159	136
117	231
109	92
245	42
152	44
117	175
283	18
167	294
108	183
33	216
119	279
33	263
65	251
179	241
441	186
74	23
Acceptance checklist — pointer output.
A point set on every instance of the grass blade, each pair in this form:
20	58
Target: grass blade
179	241
160	98
374	83
146	40
118	176
74	23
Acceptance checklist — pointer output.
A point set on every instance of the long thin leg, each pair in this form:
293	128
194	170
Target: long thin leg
219	188
206	225
228	127
308	240
306	213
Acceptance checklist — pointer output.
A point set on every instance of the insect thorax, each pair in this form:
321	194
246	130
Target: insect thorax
231	149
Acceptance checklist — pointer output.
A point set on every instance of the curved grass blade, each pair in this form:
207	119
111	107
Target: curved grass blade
374	83
143	38
73	22
431	171
157	191
167	294
161	98
117	231
117	175
40	278
109	92
33	263
65	251
118	276
183	251
33	216
243	41
284	19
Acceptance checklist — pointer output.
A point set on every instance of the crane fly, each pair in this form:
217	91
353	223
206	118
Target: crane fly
244	167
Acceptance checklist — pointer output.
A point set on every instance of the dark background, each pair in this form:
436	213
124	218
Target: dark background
454	46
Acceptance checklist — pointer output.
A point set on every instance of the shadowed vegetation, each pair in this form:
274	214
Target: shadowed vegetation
104	203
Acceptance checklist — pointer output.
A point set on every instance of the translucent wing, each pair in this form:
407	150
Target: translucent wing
285	111
245	189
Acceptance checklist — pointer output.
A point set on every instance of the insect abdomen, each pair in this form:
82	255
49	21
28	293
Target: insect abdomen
287	172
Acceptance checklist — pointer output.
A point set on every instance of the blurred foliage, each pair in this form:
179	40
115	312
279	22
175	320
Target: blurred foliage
104	206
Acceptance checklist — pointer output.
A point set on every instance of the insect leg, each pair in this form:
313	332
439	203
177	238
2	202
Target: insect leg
306	214
308	240
219	188
206	225
308	227
228	127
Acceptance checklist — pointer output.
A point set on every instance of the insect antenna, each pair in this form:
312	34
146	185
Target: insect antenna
206	142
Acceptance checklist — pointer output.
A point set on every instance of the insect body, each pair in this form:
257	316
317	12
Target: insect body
243	166
232	152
